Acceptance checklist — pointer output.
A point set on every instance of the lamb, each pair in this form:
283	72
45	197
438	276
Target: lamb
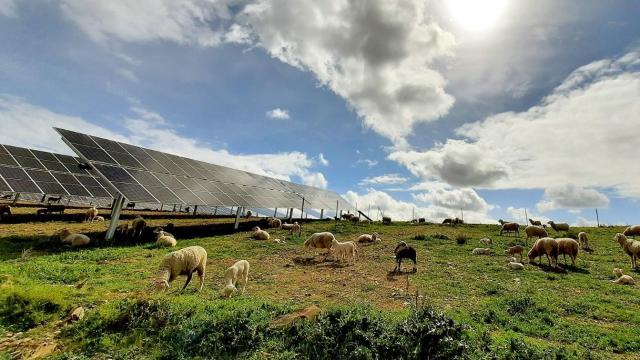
518	249
515	266
631	247
275	223
558	226
568	246
535	222
165	239
99	218
535	231
544	246
5	211
259	234
510	226
621	278
512	259
91	214
75	240
137	227
386	220
633	230
237	273
481	251
366	238
404	251
322	240
295	227
182	262
343	250
486	241
583	240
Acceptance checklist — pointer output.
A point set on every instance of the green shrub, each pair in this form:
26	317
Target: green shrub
461	239
420	237
22	310
440	236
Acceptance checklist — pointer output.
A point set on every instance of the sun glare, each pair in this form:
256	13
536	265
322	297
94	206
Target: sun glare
476	15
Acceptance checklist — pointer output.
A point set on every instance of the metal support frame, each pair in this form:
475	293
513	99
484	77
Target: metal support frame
195	209
275	213
321	213
15	199
115	216
236	224
302	210
290	211
215	210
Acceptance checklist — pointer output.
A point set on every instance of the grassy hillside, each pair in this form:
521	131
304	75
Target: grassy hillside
535	313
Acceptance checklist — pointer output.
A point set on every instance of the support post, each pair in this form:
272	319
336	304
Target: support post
195	209
15	199
161	207
115	216
215	210
302	210
237	223
526	217
597	217
337	216
275	213
290	214
321	213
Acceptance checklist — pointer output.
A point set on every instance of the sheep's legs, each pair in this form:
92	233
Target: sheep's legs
188	280
201	276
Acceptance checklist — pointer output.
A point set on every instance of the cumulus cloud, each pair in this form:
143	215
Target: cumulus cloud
322	160
238	34
8	8
571	197
582	222
583	133
369	162
386	179
518	215
279	114
456	199
374	54
29	125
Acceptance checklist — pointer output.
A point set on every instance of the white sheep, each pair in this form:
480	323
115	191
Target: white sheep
558	226
343	250
74	239
321	240
510	227
535	231
631	247
633	230
259	234
91	214
621	278
515	266
296	228
182	262
486	241
481	251
512	259
275	223
236	274
583	240
279	241
366	238
165	239
98	218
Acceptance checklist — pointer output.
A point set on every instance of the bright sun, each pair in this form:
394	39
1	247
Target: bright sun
476	15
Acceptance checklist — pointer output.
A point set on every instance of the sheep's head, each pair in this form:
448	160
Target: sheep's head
617	272
620	238
229	290
334	243
307	243
256	228
63	233
532	254
376	237
400	245
160	285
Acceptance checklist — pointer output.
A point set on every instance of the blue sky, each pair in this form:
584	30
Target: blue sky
399	105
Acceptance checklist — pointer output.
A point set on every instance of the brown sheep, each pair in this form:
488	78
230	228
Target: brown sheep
510	226
535	222
558	226
544	246
535	231
633	230
631	247
568	246
518	249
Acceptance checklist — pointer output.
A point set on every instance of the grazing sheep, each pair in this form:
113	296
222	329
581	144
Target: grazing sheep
386	220
621	278
404	251
296	229
91	214
165	239
122	229
74	239
422	220
182	262
56	209
510	227
486	241
365	221
259	234
535	231
583	240
631	247
347	216
275	223
366	238
236	274
568	246
322	240
5	211
535	222
502	222
137	227
343	250
515	266
558	226
518	249
354	219
457	221
447	221
633	230
42	211
544	246
481	251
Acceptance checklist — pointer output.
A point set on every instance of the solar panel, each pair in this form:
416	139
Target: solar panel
146	175
29	171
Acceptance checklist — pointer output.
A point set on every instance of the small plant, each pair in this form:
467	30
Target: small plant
440	236
420	237
461	239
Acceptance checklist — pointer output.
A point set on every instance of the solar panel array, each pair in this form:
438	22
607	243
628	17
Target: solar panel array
38	172
144	175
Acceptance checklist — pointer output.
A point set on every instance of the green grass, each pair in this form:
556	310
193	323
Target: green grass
505	314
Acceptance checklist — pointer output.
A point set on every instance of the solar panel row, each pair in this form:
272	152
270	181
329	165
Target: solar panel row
38	172
145	175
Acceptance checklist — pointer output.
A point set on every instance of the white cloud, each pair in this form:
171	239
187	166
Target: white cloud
386	179
518	215
456	199
187	22
571	197
277	113
8	8
238	34
322	160
583	133
369	162
375	54
30	126
582	222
